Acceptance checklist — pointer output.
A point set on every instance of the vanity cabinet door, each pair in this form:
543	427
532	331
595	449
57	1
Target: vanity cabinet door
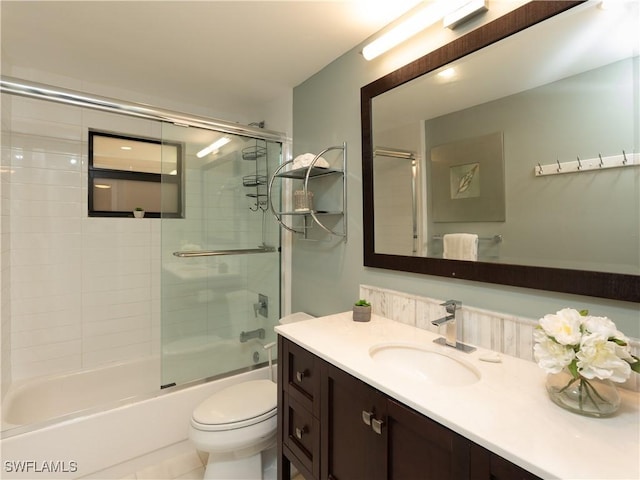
486	465
367	435
353	438
419	448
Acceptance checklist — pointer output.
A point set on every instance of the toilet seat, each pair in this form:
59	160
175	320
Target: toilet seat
238	406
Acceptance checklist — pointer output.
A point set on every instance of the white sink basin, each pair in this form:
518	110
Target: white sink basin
424	362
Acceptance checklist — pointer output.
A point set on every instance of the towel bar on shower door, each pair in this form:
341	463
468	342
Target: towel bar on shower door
212	253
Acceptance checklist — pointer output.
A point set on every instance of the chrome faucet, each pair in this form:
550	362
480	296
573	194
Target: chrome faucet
451	334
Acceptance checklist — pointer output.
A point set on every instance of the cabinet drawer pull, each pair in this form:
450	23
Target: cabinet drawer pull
377	425
366	417
300	432
301	375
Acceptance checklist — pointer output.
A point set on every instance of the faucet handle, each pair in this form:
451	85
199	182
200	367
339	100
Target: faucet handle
451	305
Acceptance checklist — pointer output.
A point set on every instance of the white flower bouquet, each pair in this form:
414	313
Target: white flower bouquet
588	348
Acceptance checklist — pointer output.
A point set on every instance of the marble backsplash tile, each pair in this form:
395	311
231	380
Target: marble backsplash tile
508	334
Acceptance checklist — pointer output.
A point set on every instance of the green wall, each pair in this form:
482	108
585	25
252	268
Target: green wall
326	275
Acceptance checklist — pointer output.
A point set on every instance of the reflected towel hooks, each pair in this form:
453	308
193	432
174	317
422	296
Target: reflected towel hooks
582	165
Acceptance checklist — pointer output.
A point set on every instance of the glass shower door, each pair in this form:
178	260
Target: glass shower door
220	269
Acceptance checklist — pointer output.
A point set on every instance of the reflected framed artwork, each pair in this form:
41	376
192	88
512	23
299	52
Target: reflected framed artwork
467	180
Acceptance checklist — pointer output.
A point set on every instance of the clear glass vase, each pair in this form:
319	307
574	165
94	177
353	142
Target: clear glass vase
591	397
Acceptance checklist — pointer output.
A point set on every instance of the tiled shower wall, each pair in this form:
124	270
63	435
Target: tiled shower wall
82	290
508	334
5	269
79	292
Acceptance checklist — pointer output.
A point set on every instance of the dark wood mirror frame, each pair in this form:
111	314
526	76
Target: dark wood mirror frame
595	284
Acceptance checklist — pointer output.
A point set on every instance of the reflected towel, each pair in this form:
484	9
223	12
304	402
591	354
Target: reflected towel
304	160
460	246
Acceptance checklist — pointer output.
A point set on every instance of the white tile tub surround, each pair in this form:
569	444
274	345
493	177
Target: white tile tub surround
82	289
5	268
507	334
87	291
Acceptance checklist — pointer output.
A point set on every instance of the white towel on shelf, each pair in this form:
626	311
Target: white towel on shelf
304	160
460	246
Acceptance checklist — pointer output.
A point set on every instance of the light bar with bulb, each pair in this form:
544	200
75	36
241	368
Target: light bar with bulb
422	19
464	13
213	147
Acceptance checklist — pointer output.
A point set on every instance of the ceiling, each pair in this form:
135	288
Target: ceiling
224	56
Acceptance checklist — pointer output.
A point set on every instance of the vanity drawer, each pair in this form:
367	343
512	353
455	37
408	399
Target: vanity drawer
302	435
302	376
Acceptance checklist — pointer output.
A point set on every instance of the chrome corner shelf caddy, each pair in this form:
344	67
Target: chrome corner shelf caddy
307	174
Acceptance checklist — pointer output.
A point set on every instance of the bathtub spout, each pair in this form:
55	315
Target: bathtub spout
258	333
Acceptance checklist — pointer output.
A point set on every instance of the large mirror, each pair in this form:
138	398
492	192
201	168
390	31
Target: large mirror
522	135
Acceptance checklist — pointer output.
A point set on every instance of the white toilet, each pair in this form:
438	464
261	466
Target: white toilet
236	426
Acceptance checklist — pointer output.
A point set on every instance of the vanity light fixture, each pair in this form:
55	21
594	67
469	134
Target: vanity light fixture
126	148
420	20
213	147
464	13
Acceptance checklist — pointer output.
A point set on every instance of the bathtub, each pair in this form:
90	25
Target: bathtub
45	398
97	437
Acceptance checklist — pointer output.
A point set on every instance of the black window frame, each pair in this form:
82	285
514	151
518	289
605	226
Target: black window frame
95	173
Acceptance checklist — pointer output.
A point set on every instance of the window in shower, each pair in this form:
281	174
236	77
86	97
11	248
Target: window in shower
127	172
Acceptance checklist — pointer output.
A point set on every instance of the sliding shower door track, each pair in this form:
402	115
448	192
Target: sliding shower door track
24	88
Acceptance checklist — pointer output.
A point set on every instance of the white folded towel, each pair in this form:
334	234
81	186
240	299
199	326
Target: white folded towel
304	160
460	246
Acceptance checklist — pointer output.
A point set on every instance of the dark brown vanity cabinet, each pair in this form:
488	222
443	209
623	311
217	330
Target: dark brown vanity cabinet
353	433
485	464
367	435
332	425
298	410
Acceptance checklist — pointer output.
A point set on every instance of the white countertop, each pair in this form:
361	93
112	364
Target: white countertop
507	411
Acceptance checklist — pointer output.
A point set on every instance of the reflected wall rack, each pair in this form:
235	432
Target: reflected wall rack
306	175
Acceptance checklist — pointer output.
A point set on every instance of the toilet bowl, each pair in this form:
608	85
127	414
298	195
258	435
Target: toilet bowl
235	426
